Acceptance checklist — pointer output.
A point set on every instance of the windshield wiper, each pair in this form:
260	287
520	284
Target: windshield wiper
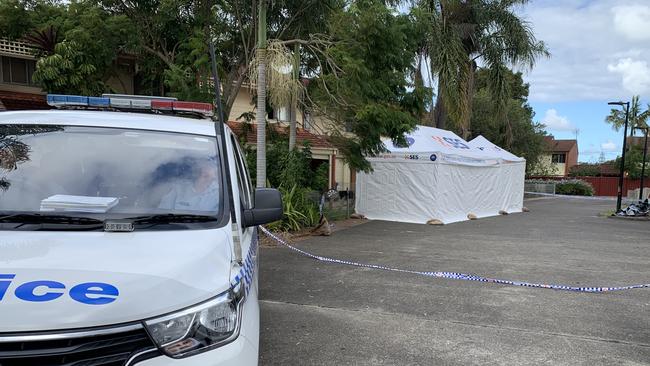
171	219
37	218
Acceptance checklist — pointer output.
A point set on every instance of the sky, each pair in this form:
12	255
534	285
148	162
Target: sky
600	52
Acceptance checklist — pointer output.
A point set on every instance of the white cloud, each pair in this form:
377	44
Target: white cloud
632	21
636	74
609	146
555	122
585	38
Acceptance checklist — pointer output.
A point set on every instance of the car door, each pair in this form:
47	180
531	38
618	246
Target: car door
243	201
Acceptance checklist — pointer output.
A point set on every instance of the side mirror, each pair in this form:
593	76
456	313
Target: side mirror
268	208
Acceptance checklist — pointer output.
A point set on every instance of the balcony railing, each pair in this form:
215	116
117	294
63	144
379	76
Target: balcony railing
14	48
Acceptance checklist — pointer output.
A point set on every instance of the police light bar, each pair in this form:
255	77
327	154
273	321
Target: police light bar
130	102
203	108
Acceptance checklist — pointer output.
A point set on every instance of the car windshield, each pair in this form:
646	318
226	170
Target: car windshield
107	172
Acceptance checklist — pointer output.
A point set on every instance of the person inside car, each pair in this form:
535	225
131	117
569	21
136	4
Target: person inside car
199	193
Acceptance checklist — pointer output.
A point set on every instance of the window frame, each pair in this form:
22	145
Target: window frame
30	68
243	178
558	158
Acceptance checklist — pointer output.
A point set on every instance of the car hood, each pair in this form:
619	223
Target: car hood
155	272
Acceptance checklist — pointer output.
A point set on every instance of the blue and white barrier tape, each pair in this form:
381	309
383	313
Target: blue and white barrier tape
450	275
594	198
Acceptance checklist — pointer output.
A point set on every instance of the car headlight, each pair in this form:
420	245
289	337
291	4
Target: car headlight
200	328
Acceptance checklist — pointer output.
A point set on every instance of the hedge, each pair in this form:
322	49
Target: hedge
573	187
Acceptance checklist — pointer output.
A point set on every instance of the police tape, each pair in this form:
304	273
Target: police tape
448	275
593	198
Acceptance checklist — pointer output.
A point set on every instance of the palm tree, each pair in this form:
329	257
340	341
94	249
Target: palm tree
466	33
282	82
261	97
293	109
637	117
44	40
275	61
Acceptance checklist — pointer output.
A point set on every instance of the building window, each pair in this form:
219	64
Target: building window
282	114
306	121
16	70
558	158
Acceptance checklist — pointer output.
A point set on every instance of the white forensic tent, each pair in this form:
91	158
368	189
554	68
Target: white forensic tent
440	176
485	145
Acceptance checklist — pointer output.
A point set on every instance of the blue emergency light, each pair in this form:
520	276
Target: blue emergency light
129	102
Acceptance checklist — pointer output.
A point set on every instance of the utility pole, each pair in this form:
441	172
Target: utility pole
645	153
619	197
261	96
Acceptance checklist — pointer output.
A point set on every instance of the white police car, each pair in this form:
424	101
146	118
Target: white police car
127	238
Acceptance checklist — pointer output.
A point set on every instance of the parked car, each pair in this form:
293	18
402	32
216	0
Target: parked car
127	236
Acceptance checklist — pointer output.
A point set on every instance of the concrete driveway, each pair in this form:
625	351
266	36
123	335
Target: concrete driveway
326	314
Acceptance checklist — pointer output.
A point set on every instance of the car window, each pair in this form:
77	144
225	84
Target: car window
98	170
243	180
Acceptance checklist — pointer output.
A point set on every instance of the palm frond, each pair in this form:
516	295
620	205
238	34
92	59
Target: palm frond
512	37
44	40
281	85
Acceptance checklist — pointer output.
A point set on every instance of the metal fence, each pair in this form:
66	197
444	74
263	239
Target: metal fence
540	187
336	205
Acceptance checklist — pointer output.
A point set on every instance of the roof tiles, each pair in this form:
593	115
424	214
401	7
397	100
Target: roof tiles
302	135
559	145
14	101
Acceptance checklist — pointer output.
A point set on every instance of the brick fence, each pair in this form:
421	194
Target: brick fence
606	186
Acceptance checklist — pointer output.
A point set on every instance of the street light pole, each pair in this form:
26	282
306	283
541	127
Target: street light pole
645	153
619	197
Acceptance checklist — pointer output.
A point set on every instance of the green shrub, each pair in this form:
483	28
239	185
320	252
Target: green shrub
299	211
292	168
287	168
294	174
574	187
320	179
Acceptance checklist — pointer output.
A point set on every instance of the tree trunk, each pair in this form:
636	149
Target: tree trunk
261	98
226	111
261	119
292	124
440	110
293	110
466	113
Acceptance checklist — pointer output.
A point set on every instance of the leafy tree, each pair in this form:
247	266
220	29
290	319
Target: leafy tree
527	136
173	35
465	33
634	162
20	17
15	19
373	96
68	71
170	37
637	116
163	27
77	42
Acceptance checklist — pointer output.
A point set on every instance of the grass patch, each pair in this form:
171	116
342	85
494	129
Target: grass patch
607	213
